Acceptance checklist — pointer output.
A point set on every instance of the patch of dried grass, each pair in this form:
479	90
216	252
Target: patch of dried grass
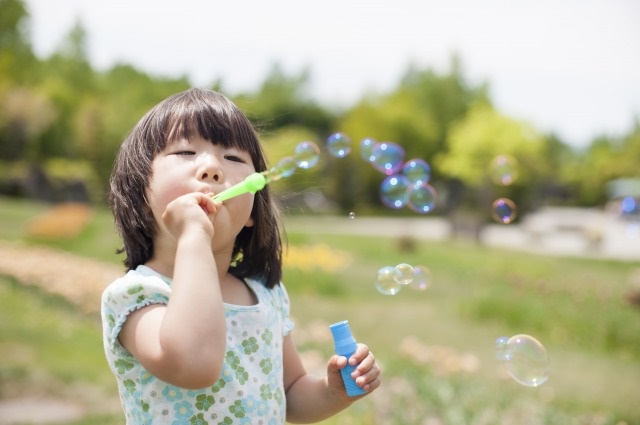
78	279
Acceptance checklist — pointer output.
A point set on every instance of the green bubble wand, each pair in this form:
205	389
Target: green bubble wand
306	156
251	184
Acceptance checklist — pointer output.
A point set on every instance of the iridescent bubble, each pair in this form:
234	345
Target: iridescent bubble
352	215
394	191
421	198
503	210
387	157
403	273
366	148
421	278
339	145
284	168
504	169
417	171
306	154
629	206
386	283
525	358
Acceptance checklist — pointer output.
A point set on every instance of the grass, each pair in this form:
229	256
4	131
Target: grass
48	348
576	307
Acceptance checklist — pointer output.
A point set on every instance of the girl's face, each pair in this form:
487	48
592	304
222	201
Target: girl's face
197	165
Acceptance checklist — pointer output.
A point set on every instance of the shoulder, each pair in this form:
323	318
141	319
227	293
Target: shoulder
136	289
276	294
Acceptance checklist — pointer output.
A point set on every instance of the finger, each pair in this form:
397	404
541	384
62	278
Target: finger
207	203
368	375
365	365
336	363
372	385
361	353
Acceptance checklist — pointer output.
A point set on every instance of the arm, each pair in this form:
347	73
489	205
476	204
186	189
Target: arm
183	342
311	398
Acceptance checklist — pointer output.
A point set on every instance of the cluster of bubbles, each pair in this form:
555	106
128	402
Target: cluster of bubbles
525	358
391	279
406	182
305	155
504	171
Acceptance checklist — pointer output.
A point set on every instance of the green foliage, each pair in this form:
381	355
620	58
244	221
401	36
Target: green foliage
607	159
484	134
282	101
60	106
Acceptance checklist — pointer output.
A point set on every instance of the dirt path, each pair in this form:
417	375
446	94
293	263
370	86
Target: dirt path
78	279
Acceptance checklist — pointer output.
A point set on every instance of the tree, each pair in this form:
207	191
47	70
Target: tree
476	140
282	100
417	115
607	159
15	48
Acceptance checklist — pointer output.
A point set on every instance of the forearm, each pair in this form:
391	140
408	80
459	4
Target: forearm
193	330
310	399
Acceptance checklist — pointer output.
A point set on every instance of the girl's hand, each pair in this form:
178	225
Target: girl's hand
366	374
193	211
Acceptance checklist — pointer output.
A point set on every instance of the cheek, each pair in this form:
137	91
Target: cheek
162	191
240	208
247	208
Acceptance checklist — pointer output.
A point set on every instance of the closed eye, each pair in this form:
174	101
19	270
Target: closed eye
185	153
235	158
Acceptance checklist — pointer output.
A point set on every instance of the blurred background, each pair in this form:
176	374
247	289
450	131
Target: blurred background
555	86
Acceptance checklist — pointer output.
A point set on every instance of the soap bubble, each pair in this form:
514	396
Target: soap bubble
352	215
421	278
403	273
629	206
504	169
386	283
307	154
387	157
394	191
366	148
421	198
525	358
284	168
503	210
339	145
417	171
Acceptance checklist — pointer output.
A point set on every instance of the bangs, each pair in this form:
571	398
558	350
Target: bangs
213	117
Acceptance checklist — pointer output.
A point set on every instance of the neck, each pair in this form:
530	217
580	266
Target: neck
163	261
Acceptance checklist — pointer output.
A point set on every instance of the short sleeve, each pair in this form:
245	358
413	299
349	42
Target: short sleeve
280	293
127	294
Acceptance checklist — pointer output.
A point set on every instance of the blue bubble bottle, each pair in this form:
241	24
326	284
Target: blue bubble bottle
345	345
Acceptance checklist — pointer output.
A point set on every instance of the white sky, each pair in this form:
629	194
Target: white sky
568	66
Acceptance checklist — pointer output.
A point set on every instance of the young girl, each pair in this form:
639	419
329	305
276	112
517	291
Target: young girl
198	330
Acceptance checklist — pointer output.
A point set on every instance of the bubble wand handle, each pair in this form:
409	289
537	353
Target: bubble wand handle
253	183
345	345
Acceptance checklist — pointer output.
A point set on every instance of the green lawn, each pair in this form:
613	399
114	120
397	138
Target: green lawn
575	307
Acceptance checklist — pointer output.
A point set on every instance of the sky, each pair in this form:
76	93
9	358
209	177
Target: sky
571	67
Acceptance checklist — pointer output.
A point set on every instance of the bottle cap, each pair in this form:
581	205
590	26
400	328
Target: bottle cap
343	341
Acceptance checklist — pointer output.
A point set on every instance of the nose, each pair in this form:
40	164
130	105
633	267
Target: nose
216	177
210	170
